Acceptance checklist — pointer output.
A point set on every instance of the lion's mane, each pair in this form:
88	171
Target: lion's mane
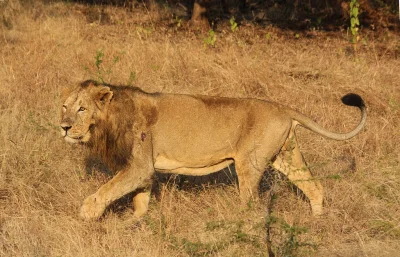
112	136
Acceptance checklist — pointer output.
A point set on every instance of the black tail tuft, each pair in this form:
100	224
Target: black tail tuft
353	100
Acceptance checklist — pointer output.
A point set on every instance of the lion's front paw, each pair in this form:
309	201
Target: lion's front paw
92	208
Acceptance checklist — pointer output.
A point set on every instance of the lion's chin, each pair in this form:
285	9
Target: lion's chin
71	140
74	140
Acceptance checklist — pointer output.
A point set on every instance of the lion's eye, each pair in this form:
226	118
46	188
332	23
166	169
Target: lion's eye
82	109
64	108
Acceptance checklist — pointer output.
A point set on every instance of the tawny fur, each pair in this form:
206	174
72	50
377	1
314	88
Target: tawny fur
135	133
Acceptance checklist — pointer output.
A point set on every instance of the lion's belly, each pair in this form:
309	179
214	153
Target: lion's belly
169	165
175	152
164	163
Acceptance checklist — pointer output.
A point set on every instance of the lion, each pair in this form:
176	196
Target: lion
135	133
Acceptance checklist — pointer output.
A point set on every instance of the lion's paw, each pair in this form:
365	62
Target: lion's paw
92	208
317	209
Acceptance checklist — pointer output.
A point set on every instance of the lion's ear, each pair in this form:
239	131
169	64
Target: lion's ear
103	97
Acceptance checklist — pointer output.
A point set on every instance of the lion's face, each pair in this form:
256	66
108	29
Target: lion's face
81	109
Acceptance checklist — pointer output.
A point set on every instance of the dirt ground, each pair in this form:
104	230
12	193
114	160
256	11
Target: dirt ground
45	47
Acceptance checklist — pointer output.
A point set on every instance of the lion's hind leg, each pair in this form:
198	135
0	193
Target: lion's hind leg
249	177
290	162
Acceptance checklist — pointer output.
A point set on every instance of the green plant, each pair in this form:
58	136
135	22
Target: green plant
132	78
290	234
144	32
292	242
201	249
98	61
234	234
354	22
234	25
101	72
211	39
178	22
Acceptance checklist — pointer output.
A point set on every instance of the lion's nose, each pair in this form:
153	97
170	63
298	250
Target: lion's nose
65	128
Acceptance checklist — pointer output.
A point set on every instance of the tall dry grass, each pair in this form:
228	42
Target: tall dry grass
43	181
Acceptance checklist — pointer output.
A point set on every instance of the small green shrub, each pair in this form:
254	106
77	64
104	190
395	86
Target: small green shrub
211	39
234	25
354	22
99	71
291	243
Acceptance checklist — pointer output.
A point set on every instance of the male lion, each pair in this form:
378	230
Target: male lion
136	133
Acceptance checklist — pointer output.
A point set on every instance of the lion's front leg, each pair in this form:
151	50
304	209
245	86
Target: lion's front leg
138	174
123	183
92	207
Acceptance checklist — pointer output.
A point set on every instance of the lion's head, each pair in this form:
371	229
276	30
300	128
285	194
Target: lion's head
82	107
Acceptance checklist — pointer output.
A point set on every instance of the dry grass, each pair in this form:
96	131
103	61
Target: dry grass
46	47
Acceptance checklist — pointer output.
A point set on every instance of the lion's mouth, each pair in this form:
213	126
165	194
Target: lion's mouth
73	140
77	139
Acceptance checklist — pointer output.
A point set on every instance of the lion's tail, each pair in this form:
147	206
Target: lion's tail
350	100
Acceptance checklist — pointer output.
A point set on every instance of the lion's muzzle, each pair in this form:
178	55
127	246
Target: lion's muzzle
65	128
